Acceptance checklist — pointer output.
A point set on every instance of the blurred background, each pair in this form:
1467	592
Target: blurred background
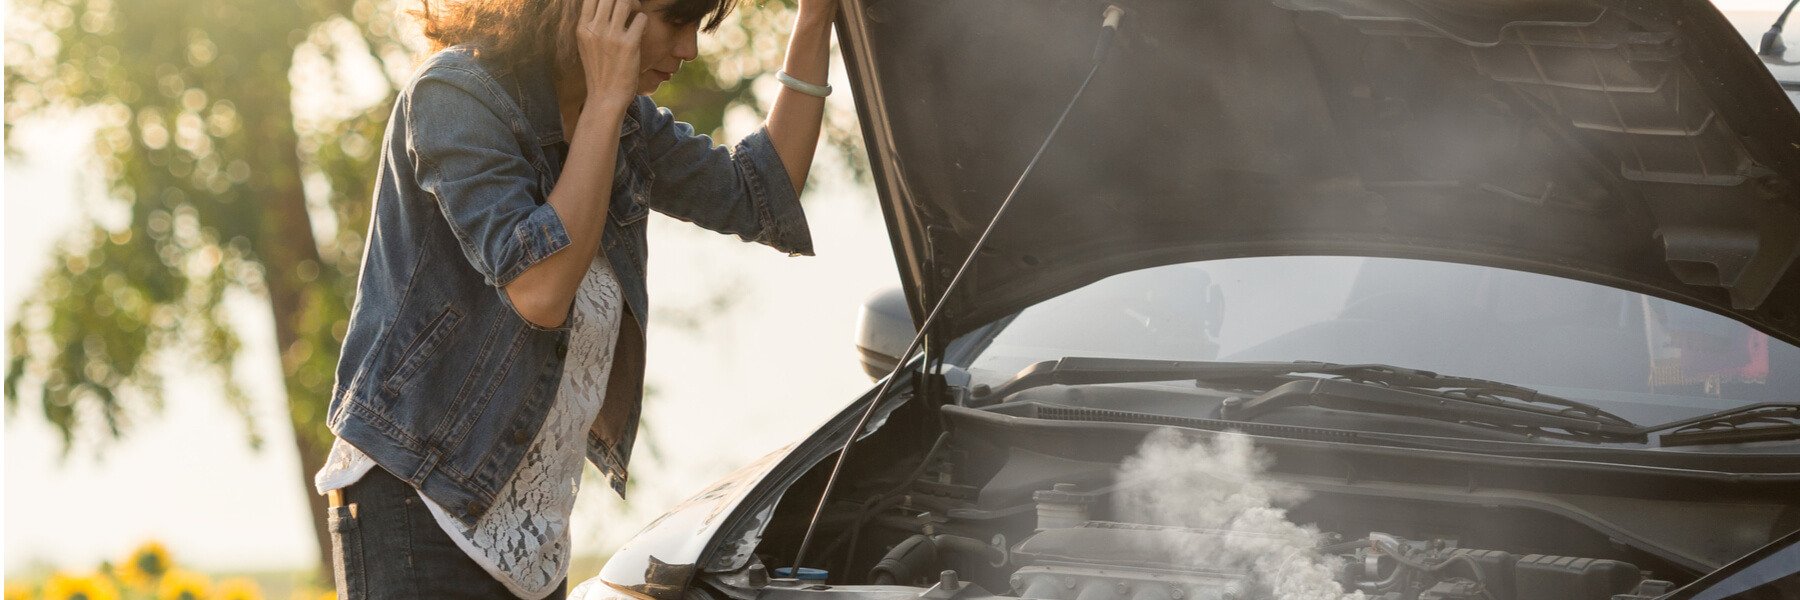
186	190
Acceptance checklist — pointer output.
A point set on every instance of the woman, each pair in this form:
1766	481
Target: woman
497	334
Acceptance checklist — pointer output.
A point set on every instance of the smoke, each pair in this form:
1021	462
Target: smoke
1222	486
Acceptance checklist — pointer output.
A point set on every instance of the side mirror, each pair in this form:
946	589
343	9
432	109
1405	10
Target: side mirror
884	327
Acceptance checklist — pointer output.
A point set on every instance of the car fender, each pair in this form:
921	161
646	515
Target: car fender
661	559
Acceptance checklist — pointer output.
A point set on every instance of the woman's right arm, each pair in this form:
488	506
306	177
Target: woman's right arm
543	293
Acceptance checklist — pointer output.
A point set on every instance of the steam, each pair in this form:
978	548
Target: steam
1221	486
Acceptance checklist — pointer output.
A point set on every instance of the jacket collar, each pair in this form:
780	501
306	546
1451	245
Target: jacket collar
535	85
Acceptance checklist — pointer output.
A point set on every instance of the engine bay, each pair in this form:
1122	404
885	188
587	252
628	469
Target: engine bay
1003	507
1103	560
1069	556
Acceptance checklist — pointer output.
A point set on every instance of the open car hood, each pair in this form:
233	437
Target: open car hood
1633	143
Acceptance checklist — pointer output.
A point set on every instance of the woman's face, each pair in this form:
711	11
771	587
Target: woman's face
665	46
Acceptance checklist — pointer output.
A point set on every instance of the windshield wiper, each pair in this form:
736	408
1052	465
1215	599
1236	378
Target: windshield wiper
1357	387
1752	423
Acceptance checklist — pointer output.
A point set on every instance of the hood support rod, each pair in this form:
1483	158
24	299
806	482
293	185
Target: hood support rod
1108	27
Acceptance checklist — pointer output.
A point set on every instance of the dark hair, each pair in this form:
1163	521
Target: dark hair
513	30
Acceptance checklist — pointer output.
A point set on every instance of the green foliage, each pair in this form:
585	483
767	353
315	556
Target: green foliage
236	146
183	106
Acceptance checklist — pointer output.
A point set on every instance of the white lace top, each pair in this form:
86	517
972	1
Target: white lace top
523	540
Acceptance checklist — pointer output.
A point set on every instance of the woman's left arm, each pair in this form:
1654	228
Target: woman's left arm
795	119
754	191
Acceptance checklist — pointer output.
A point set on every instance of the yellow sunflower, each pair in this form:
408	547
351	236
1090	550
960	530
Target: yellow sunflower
17	591
144	565
238	589
182	584
63	586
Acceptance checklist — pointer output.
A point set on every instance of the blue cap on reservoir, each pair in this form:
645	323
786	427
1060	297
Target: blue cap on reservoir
806	573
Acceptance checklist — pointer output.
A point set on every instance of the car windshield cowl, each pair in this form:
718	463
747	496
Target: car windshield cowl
1401	391
1362	387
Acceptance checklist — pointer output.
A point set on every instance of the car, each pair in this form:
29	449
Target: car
1407	300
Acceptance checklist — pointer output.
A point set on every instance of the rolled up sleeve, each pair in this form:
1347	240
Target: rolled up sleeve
467	158
742	191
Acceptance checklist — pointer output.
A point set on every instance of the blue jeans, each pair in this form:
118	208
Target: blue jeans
385	544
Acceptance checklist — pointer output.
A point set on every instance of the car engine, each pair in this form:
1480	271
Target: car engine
1002	506
1069	557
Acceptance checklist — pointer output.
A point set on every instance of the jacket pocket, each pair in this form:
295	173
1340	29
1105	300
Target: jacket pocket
422	349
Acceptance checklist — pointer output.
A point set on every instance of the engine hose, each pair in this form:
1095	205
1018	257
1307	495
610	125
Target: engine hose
968	546
1376	587
906	563
1392	547
918	557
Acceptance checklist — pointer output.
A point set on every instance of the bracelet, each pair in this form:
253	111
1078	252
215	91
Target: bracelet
810	89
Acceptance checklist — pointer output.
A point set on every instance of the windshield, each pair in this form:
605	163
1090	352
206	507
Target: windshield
1650	359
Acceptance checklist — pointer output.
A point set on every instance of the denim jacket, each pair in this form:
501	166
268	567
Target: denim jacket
440	379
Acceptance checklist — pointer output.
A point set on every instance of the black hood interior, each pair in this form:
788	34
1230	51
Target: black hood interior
1630	143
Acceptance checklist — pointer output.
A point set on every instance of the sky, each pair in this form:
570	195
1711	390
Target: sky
752	380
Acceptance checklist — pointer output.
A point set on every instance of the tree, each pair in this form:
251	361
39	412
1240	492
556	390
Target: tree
228	188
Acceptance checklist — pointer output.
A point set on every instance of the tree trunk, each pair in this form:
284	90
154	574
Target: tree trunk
287	250
290	241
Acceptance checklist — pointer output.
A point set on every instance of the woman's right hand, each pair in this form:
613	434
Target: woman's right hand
607	37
